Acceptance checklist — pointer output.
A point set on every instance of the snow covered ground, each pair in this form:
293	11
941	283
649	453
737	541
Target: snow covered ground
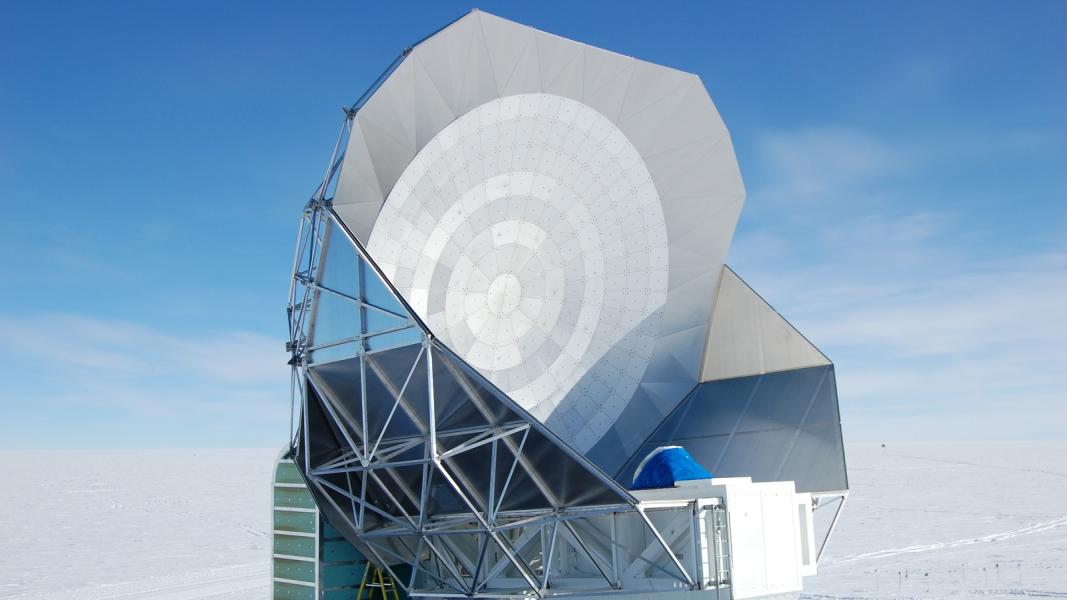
923	521
132	525
949	521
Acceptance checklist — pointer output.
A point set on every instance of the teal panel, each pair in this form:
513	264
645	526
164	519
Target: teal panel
295	521
293	498
339	550
294	546
298	570
342	575
346	594
328	531
287	473
289	591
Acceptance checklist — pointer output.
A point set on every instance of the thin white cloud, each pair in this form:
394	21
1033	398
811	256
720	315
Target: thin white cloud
848	167
996	308
926	335
819	163
121	364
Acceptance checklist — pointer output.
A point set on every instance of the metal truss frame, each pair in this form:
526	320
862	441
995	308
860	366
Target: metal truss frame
825	499
481	547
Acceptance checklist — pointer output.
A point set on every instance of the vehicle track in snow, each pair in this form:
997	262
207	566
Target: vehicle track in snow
993	537
239	582
1010	592
1013	468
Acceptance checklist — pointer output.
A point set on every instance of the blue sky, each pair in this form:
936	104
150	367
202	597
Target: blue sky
906	166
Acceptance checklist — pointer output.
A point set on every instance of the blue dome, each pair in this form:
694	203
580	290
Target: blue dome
666	465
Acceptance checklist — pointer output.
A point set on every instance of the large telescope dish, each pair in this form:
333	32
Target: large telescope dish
558	216
508	291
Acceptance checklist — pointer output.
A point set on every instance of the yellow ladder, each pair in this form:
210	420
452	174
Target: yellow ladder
379	580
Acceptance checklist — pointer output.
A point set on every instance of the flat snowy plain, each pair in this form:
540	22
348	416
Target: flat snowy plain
923	521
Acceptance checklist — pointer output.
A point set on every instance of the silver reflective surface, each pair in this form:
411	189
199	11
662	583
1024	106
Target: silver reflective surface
773	427
749	337
557	214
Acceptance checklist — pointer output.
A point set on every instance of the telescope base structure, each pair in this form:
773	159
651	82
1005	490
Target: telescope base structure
508	289
431	472
739	539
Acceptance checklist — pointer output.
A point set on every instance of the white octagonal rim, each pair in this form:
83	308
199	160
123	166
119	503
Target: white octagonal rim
669	121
